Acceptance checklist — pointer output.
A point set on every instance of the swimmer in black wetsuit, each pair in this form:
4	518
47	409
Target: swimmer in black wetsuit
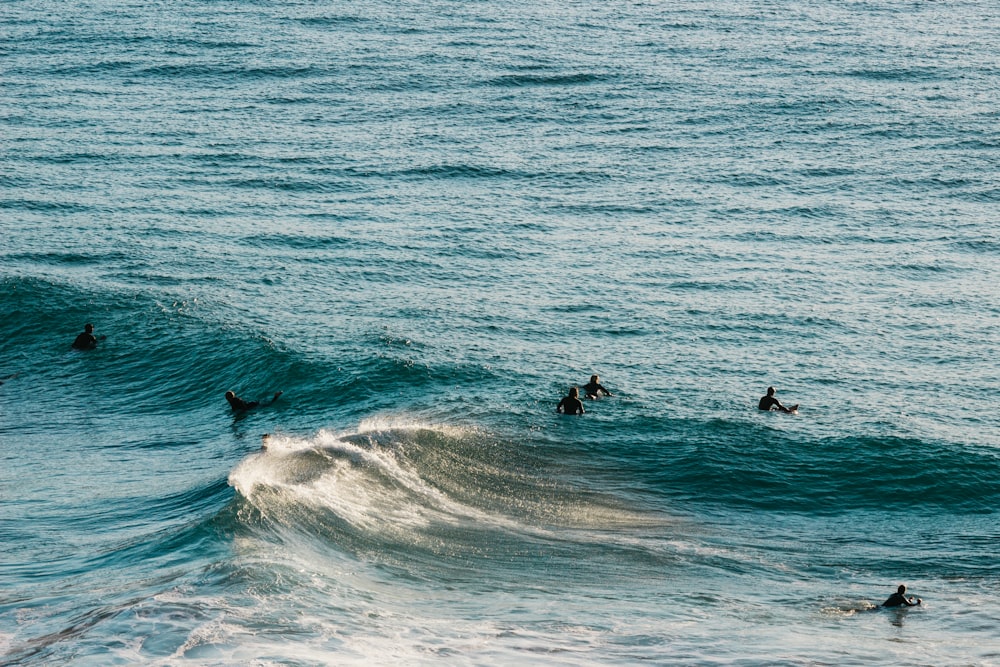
86	340
239	405
897	599
594	388
571	405
769	402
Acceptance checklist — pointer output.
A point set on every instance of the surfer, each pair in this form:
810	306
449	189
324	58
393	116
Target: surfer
571	404
769	402
594	388
897	599
86	340
239	405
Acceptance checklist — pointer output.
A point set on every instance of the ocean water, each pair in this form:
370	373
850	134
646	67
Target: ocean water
424	221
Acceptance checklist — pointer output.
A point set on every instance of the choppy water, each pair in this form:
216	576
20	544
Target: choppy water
425	220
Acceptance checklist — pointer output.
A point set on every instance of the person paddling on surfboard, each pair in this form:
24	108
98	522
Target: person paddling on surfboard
897	599
769	402
571	405
594	388
239	405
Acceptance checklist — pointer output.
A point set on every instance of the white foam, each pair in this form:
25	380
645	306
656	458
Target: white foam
365	484
364	477
402	423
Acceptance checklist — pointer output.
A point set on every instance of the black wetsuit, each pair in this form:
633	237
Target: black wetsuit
898	600
85	341
238	403
570	406
768	402
592	389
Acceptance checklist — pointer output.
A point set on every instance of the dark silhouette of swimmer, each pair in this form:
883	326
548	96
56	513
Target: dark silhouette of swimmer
594	388
897	599
769	402
86	340
571	405
239	405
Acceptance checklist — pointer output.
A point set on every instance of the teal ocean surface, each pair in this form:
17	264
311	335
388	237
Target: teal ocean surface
425	221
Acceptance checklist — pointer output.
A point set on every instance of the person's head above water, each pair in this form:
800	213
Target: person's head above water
770	391
901	589
230	394
88	327
574	392
594	379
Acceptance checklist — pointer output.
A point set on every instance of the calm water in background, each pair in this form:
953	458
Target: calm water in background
425	220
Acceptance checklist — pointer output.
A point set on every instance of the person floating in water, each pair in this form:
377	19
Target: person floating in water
769	402
571	405
239	405
594	388
897	599
86	340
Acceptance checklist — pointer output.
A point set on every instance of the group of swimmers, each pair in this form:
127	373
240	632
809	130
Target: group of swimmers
572	405
569	405
88	341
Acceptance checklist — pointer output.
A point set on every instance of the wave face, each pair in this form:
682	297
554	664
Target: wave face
423	223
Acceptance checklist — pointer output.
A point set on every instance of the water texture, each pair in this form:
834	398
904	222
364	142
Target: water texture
423	222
